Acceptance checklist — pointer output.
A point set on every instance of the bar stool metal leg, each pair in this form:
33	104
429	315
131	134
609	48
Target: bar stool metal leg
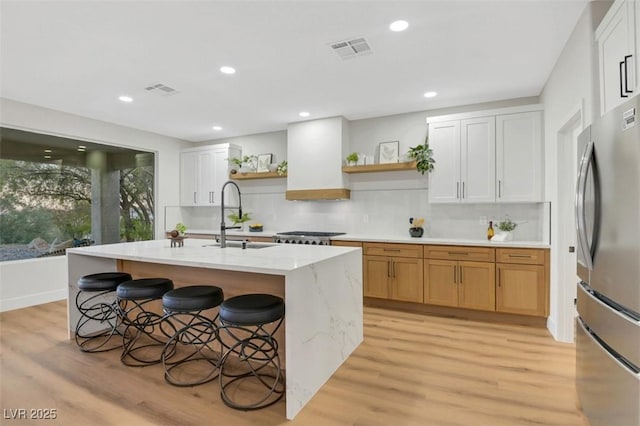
251	375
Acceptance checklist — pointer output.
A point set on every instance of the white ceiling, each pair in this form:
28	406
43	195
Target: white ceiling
78	57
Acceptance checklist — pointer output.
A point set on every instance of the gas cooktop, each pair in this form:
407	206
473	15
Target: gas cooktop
311	233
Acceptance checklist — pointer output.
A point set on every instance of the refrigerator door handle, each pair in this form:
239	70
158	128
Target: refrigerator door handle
581	221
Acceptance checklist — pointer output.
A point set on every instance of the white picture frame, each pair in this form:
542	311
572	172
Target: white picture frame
388	152
263	162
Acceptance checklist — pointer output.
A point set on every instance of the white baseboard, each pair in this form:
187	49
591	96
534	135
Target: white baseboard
32	300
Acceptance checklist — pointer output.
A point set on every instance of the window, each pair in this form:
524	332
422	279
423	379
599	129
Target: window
57	193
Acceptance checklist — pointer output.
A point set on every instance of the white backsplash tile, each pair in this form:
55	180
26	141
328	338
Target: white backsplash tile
376	211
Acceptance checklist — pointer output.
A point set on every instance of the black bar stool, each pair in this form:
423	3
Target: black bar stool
195	336
249	323
97	307
144	336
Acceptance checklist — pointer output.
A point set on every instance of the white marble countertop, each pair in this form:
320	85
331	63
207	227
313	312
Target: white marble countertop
276	259
391	238
381	238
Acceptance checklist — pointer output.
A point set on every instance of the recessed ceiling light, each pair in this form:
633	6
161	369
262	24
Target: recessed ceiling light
47	156
126	99
227	70
81	150
217	128
399	26
47	150
81	146
304	114
431	94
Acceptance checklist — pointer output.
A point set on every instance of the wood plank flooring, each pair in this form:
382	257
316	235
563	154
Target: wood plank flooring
411	369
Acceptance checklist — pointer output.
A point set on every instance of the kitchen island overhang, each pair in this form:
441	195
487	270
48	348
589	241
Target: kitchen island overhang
321	286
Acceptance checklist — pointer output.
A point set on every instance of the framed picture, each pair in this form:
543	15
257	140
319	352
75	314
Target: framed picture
388	152
263	162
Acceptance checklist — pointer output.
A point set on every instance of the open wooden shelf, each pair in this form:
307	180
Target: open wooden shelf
261	175
411	165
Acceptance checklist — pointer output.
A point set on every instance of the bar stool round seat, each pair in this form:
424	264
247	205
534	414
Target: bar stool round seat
144	336
98	322
191	355
251	376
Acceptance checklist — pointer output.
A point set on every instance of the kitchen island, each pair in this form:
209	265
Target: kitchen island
321	287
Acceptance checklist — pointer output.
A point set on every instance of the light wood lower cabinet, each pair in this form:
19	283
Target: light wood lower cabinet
460	284
505	280
393	277
521	282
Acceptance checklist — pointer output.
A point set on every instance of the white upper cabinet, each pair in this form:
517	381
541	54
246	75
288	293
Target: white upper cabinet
519	157
464	151
203	171
487	156
617	37
444	180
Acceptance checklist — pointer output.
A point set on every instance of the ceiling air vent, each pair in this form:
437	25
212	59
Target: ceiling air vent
348	49
161	89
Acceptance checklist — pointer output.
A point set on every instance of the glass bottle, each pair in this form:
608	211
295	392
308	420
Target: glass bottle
490	231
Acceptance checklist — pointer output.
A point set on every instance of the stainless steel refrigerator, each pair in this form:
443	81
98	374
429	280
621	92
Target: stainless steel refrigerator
608	226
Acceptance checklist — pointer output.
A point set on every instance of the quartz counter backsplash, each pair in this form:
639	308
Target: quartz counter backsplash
375	211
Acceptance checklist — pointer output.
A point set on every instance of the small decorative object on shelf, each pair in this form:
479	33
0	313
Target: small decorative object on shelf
263	162
416	230
423	156
352	159
282	168
246	164
389	152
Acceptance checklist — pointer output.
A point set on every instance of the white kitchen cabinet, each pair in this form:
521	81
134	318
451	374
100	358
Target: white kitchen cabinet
203	171
487	156
464	151
617	37
519	157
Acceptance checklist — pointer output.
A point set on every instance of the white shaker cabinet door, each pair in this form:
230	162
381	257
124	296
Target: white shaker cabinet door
444	180
519	157
617	58
189	178
477	157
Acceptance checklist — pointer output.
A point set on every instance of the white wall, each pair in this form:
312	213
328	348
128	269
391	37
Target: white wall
32	282
572	85
32	118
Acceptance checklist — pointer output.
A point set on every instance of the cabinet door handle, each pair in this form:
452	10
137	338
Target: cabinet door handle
623	83
455	274
524	256
460	274
195	200
462	189
388	249
499	188
626	74
393	269
457	190
389	268
458	253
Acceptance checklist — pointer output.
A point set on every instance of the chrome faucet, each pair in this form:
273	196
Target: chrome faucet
223	226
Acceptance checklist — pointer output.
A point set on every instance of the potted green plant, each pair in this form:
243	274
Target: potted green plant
236	219
236	164
181	228
352	159
505	230
423	156
282	168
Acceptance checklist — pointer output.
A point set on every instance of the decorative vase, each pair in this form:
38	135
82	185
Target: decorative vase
416	232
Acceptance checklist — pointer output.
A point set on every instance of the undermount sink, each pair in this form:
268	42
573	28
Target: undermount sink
238	244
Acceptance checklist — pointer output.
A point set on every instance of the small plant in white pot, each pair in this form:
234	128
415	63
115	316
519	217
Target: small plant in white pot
352	159
505	230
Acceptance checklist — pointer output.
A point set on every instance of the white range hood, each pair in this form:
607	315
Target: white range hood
315	150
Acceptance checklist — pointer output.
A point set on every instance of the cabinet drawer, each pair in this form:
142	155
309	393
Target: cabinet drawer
520	255
396	250
482	254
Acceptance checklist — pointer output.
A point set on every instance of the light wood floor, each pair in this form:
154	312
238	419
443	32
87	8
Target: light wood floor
410	370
